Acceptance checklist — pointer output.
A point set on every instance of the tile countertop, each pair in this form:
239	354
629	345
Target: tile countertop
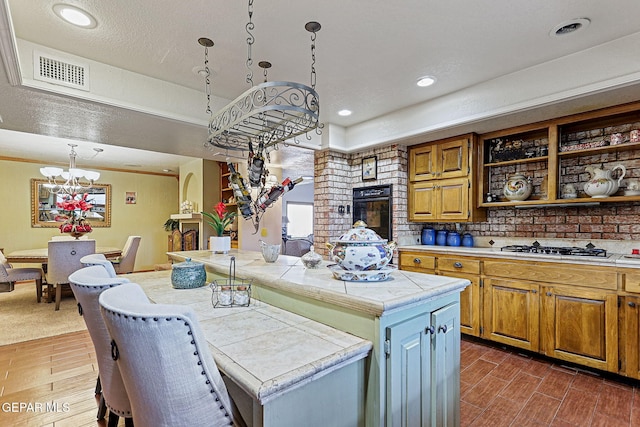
293	350
288	274
612	259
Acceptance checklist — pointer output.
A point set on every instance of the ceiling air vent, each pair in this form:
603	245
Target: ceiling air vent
60	71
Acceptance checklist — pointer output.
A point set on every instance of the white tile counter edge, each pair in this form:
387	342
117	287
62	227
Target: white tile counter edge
262	391
288	274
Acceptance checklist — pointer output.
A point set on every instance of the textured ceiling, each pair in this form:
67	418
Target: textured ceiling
369	56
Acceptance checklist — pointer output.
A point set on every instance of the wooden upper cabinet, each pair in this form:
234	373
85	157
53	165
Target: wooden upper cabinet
440	160
441	181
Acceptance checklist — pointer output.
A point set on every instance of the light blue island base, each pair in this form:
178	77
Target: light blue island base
281	369
413	372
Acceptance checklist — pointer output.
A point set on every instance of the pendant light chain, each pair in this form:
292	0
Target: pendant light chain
250	40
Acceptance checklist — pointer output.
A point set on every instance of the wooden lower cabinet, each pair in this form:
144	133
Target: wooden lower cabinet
460	267
511	313
580	326
629	338
423	370
568	312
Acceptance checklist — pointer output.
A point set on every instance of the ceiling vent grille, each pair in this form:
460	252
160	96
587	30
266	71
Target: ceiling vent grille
60	72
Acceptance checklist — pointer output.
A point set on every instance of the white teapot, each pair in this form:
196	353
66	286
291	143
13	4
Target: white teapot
601	183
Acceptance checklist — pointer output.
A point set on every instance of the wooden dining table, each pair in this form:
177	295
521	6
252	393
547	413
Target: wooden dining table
41	255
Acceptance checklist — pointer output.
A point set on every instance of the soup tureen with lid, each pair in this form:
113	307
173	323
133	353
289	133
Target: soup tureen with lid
361	249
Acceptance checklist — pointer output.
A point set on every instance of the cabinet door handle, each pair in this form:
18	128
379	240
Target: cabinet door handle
443	329
534	291
430	330
549	294
631	304
417	260
457	264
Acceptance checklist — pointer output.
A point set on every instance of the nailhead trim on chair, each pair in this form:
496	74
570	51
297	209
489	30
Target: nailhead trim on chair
123	414
195	353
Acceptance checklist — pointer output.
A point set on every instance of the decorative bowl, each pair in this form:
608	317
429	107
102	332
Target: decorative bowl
311	259
188	275
361	249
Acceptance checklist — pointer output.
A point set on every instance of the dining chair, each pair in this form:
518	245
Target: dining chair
126	262
9	276
99	259
63	259
167	368
87	284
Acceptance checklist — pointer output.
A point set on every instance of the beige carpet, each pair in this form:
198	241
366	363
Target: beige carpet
23	319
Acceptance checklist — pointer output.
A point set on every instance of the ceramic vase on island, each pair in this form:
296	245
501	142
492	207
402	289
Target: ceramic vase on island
220	244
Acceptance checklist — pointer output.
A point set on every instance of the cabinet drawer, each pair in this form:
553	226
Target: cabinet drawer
568	274
412	260
459	265
632	282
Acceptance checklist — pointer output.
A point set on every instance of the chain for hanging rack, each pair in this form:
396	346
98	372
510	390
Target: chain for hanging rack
250	40
207	43
313	27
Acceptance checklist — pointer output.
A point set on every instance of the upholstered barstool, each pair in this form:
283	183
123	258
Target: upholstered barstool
165	361
87	284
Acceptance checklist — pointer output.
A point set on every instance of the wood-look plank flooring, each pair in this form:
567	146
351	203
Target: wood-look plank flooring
53	378
503	387
499	387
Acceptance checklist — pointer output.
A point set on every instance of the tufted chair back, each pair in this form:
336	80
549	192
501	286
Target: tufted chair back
99	259
63	259
87	284
166	364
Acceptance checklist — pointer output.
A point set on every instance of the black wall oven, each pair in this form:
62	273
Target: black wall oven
373	206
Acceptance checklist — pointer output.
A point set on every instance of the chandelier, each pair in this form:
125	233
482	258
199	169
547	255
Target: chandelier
255	122
69	182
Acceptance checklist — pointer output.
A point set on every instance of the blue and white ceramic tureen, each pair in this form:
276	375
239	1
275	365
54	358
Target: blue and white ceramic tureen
361	249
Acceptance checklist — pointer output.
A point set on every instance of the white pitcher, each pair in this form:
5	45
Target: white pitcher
601	183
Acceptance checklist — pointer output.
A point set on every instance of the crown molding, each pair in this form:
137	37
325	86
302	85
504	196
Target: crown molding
8	50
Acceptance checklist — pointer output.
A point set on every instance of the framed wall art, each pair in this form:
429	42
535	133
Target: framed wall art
369	168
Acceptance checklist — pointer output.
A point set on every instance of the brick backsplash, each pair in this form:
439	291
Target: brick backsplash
338	173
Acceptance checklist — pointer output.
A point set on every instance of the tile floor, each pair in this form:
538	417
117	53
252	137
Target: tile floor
501	387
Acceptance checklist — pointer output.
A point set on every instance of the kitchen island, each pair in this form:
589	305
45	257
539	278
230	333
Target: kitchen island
412	319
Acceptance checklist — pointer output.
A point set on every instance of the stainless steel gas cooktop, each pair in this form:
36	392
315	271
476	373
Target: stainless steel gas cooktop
537	248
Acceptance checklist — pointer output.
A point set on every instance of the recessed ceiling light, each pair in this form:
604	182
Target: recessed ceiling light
426	81
569	27
344	113
75	16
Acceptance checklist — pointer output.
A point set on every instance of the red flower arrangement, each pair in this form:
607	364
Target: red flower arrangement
220	219
74	211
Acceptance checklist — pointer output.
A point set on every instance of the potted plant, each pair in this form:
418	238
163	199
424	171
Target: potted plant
219	220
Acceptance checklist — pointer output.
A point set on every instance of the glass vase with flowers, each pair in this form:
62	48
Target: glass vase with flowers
219	220
72	213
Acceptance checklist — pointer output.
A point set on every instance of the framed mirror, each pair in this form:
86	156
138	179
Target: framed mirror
43	205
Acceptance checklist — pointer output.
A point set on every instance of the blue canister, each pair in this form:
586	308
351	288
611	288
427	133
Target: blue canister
467	240
453	239
428	236
441	237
